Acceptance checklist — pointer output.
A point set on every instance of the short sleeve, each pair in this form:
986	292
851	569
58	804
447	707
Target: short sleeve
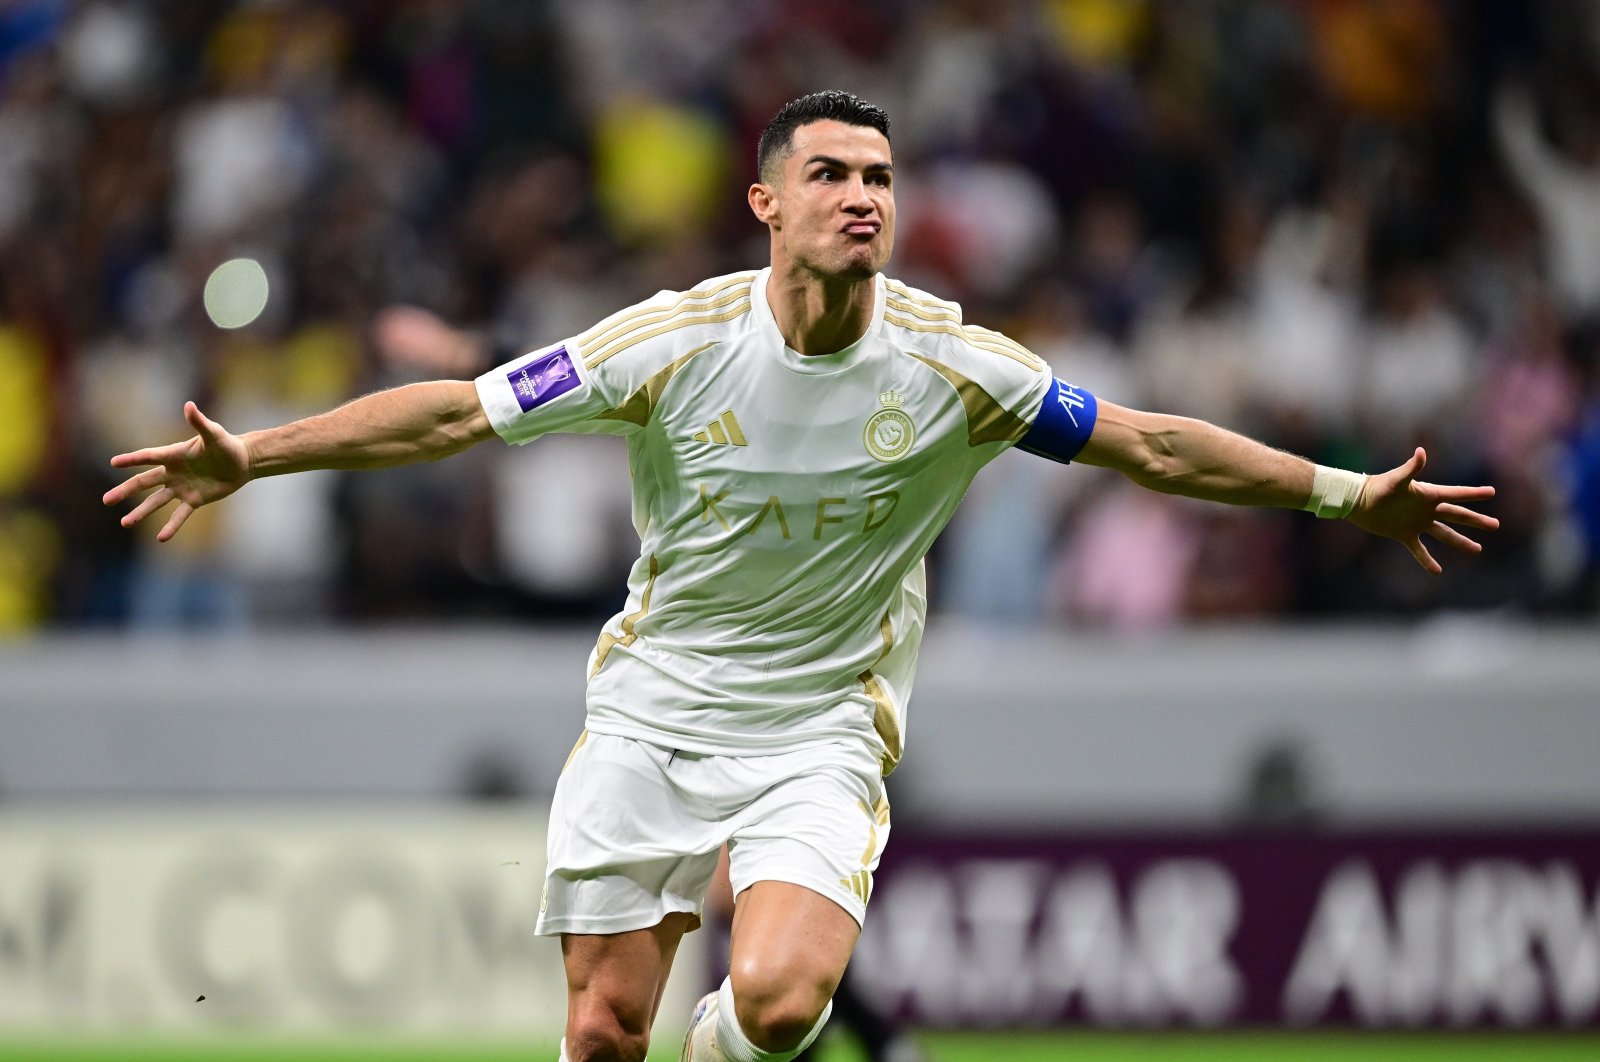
548	390
608	379
1001	383
1016	378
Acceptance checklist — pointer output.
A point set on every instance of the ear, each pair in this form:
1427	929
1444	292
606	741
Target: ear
763	203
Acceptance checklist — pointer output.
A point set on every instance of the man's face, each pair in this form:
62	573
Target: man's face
832	210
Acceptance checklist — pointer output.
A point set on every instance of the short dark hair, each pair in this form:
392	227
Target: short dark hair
832	105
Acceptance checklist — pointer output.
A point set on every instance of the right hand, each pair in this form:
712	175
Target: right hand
202	469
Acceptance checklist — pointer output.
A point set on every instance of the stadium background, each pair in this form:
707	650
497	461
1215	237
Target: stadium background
1342	226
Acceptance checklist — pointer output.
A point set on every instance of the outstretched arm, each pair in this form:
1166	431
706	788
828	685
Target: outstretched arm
419	422
1178	455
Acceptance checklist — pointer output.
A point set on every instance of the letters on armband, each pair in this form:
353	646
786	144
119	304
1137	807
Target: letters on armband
1070	400
1064	423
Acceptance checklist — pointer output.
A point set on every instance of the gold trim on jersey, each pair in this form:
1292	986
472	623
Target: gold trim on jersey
924	310
691	309
723	431
987	420
610	329
583	737
884	719
608	640
741	308
922	298
972	335
935	313
642	403
931	309
1028	357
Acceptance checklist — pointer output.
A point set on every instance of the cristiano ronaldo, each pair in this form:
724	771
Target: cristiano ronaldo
798	436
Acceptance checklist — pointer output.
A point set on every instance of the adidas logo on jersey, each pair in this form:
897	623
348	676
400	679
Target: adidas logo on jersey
724	431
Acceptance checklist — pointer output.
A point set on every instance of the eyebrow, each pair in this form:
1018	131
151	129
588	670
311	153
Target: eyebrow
829	160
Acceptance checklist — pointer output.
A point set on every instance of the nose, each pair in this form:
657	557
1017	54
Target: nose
856	200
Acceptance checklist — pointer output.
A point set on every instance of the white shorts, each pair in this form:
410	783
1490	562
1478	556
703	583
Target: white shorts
635	829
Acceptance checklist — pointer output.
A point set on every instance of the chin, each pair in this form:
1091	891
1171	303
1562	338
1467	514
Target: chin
859	266
856	263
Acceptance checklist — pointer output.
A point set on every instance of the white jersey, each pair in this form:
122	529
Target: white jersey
784	504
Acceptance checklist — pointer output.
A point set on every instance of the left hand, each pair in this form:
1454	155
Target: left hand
1395	504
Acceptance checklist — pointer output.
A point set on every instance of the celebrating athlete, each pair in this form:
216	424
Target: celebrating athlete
798	436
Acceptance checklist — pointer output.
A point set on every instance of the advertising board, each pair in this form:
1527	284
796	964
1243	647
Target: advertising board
1395	930
315	920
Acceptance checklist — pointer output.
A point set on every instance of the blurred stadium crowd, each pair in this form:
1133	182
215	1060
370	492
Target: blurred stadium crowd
1342	226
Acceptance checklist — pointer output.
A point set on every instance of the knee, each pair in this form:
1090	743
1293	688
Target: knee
777	1008
598	1033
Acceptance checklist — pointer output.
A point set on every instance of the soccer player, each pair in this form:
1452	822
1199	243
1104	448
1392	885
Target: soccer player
798	436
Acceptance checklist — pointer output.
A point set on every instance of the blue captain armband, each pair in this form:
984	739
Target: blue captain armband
1066	417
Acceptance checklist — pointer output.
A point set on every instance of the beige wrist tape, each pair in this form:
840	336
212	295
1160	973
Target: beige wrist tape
1334	492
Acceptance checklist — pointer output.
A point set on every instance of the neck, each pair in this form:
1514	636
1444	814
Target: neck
819	315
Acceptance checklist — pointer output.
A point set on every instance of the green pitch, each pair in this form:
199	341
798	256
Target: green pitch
941	1047
1248	1047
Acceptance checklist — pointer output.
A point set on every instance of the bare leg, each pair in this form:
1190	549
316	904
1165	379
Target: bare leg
790	947
614	986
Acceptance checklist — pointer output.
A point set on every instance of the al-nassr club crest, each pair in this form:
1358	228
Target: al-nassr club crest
889	432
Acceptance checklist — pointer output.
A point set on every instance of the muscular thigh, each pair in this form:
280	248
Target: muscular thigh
801	859
788	935
622	974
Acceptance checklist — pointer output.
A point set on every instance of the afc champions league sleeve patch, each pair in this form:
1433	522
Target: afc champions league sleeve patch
546	377
1065	421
